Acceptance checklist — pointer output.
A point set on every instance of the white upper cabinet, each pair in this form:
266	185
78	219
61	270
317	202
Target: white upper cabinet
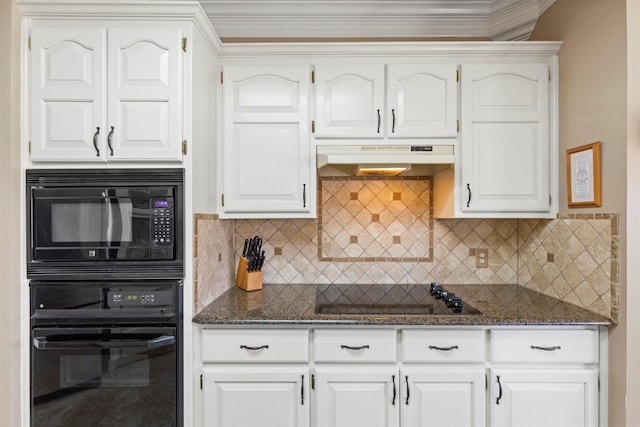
349	101
266	161
423	101
144	96
105	91
415	101
506	139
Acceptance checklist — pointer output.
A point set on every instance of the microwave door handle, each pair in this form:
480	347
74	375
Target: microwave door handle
119	214
41	343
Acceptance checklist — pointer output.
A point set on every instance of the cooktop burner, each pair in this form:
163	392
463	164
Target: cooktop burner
389	299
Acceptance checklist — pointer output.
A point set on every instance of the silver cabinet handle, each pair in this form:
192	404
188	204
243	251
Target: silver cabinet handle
95	141
109	141
304	195
302	389
499	390
435	347
378	120
554	348
246	347
348	347
469	190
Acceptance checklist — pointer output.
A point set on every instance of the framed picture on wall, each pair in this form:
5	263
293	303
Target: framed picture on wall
584	187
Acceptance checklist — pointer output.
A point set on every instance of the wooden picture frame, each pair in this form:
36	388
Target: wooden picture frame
584	182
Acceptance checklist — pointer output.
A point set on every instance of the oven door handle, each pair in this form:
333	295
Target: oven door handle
41	343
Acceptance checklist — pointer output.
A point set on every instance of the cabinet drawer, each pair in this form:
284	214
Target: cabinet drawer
362	345
238	345
443	346
545	346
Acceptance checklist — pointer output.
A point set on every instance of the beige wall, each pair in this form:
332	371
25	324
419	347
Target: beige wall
10	366
593	107
633	209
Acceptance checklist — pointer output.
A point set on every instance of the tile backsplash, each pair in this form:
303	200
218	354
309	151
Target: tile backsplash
383	231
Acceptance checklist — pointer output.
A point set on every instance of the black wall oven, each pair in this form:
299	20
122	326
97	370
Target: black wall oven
106	354
105	223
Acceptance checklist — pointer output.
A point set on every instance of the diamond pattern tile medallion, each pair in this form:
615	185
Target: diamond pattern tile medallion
381	220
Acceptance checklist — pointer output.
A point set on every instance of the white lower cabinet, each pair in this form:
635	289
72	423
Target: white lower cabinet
256	396
357	396
544	397
401	377
443	397
544	377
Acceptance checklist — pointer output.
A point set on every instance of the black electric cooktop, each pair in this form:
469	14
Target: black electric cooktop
389	299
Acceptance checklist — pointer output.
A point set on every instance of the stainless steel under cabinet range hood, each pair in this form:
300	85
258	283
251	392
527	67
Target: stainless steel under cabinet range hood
351	160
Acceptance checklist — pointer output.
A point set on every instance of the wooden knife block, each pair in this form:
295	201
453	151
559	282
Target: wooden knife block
249	281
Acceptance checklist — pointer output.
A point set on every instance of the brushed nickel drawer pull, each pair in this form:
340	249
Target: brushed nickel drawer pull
245	347
435	347
348	347
554	348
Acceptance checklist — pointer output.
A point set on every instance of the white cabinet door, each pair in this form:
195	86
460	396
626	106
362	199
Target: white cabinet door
505	140
106	91
67	81
145	96
423	100
349	101
357	397
544	397
443	397
266	160
254	396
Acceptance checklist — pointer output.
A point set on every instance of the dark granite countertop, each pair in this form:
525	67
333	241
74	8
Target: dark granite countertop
294	304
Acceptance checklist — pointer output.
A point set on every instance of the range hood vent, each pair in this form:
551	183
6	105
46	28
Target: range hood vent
416	160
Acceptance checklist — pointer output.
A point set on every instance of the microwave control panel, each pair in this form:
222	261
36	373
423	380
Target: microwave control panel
162	217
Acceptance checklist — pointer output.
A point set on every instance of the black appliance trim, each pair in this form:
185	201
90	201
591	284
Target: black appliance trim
91	177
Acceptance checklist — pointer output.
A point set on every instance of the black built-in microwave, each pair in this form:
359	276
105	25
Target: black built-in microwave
105	223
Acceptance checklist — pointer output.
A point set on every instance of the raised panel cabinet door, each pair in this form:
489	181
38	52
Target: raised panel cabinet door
145	91
248	397
67	84
443	397
354	397
349	101
544	397
266	160
423	100
505	139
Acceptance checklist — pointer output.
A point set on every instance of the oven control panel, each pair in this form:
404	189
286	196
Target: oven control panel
162	221
139	298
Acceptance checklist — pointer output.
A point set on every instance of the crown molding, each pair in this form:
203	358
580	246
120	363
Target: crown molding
304	19
501	20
